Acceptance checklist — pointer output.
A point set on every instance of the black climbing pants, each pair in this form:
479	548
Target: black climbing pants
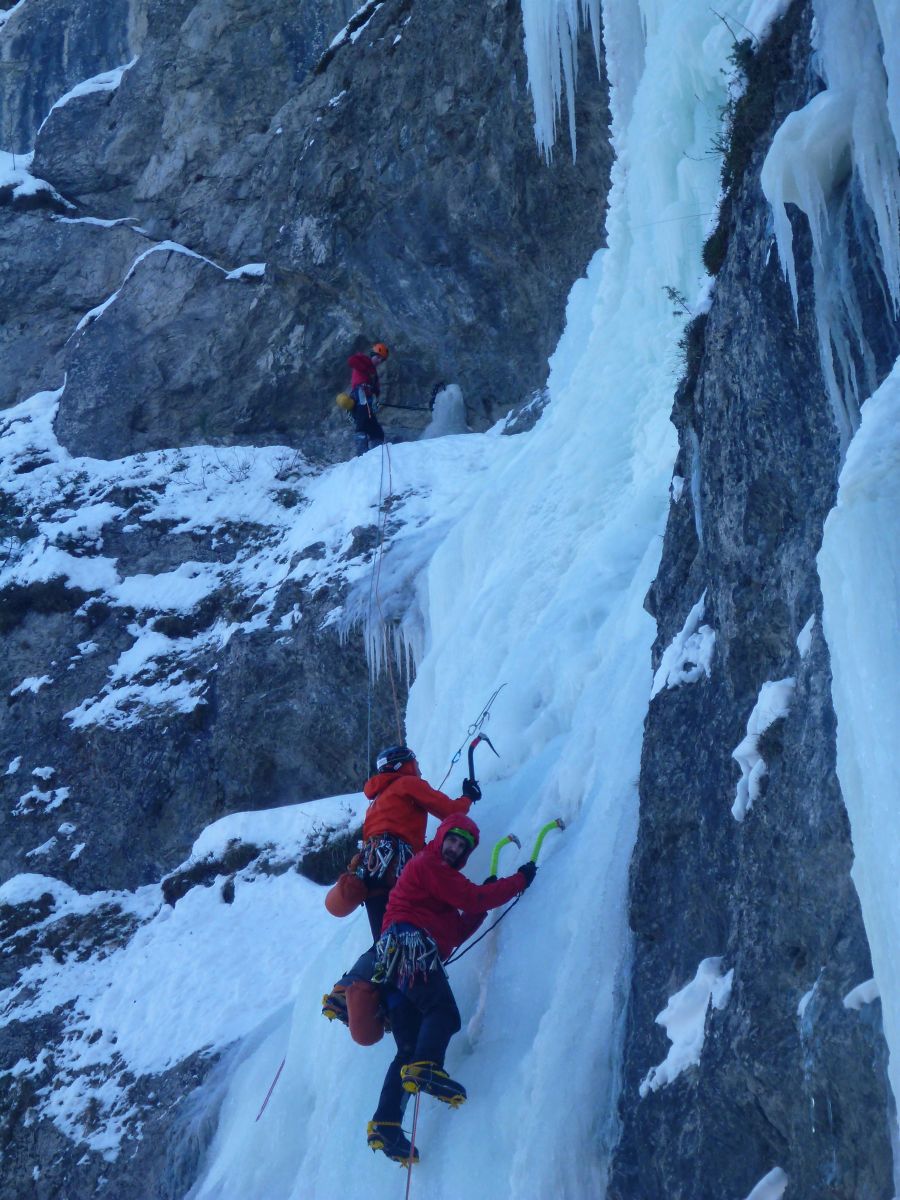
368	431
423	1020
376	906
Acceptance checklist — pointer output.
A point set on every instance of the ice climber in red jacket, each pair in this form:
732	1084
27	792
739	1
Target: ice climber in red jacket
400	802
432	909
365	388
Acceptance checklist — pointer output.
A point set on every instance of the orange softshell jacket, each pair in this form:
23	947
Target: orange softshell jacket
400	804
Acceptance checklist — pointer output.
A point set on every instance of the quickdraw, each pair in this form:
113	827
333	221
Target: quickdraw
381	854
404	952
474	728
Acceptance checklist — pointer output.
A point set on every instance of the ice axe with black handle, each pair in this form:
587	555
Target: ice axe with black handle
470	784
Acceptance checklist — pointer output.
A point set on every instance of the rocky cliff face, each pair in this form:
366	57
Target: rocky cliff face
390	184
49	48
789	1077
236	197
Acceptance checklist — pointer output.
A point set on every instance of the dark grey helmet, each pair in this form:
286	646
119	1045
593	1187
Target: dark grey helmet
393	758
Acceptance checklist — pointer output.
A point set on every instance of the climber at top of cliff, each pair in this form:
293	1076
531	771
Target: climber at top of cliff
365	388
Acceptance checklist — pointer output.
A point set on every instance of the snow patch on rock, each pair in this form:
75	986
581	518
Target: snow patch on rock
863	993
688	657
773	704
684	1020
771	1186
106	81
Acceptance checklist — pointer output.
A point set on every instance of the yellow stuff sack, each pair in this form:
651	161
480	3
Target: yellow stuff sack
342	400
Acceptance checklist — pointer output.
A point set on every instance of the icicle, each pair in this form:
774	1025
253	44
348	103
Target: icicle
851	127
551	45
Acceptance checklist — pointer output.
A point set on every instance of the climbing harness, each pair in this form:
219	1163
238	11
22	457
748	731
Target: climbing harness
474	728
405	952
382	855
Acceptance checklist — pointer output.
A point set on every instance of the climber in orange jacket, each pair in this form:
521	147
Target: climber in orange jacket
400	802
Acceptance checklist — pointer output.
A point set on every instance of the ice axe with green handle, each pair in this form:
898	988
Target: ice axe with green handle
559	823
504	841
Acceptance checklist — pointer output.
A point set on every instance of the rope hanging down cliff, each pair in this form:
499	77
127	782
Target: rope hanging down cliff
375	591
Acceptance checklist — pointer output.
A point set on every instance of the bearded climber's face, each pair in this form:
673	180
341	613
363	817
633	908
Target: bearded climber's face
454	850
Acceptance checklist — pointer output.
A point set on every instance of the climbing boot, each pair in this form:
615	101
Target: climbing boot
334	1004
428	1077
389	1137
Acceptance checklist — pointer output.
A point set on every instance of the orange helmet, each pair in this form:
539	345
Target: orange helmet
381	349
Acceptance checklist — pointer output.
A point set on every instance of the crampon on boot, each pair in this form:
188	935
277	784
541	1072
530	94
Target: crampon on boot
334	1004
428	1077
389	1137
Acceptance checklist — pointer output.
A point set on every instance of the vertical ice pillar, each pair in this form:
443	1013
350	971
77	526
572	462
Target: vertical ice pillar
860	573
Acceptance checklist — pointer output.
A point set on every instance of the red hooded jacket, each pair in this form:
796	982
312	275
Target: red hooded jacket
439	899
364	371
400	804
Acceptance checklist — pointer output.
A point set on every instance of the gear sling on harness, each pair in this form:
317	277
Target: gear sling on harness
372	871
404	952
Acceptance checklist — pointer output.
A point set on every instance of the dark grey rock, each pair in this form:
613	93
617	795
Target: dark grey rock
49	46
772	895
52	271
385	206
180	318
185	127
283	719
